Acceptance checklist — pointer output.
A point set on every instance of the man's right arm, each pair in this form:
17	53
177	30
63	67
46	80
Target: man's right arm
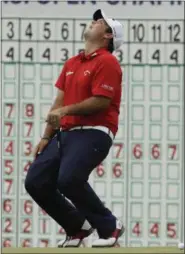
49	132
58	103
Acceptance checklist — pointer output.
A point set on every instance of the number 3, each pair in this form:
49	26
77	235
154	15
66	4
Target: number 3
65	54
10	34
120	55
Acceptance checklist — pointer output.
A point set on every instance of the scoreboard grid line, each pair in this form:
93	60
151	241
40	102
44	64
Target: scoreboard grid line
18	141
88	19
182	152
122	65
127	100
77	41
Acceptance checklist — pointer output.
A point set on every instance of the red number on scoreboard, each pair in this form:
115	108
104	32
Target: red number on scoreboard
27	226
154	229
28	207
118	148
8	165
136	230
7	205
117	171
9	128
42	212
9	148
29	110
26	243
172	151
28	148
100	170
44	225
28	128
156	151
137	151
171	230
8	185
61	231
7	243
8	225
26	167
44	242
10	108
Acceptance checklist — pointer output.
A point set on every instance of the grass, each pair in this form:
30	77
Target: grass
91	250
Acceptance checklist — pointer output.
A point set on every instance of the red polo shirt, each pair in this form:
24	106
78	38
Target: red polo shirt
98	74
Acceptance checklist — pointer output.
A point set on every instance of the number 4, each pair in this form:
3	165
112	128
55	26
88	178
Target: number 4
156	56
154	230
175	56
29	54
136	229
138	55
28	31
47	54
10	53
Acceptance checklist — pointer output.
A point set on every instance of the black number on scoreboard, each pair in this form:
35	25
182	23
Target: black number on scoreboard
175	56
174	32
10	33
64	31
119	55
157	56
47	31
65	54
83	25
28	31
47	54
138	55
156	33
138	32
10	53
29	54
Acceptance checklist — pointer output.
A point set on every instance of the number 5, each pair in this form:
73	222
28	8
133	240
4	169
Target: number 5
47	31
171	230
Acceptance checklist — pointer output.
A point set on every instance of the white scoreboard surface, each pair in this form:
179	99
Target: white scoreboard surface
142	178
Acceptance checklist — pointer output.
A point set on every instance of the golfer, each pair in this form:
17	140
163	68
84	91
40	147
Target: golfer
81	127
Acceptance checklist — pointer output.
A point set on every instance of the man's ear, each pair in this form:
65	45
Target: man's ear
108	35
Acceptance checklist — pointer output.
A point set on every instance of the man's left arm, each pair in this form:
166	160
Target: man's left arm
89	106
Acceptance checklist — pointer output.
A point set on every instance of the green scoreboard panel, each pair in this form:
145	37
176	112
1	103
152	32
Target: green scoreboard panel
141	179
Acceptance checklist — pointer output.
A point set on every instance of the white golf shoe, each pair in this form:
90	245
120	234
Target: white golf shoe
78	239
112	240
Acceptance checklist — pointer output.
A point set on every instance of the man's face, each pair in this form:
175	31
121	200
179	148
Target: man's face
97	30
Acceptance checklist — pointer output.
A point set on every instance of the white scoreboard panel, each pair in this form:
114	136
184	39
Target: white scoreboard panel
142	178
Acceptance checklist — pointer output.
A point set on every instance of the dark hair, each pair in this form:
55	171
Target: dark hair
110	45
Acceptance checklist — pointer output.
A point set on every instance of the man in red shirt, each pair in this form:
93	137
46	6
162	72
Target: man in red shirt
85	117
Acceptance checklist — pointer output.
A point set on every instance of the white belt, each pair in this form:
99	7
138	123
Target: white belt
101	128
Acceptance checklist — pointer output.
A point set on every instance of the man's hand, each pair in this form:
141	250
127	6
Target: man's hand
40	147
55	115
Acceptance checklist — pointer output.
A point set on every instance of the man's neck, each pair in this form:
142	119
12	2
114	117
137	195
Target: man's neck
91	47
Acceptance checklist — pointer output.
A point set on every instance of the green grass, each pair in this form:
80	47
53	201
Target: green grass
91	250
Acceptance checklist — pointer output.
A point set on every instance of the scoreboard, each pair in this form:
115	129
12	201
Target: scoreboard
142	178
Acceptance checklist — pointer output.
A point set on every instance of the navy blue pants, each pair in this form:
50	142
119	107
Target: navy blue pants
57	174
